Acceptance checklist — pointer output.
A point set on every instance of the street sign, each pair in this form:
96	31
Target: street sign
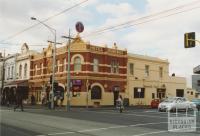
79	27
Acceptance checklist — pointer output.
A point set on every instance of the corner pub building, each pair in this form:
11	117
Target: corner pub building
98	74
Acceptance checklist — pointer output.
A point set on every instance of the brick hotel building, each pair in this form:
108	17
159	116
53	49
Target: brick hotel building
102	69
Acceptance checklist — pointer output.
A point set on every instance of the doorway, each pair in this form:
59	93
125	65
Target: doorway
161	93
116	90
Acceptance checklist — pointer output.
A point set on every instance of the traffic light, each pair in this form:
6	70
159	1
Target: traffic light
55	87
50	79
189	40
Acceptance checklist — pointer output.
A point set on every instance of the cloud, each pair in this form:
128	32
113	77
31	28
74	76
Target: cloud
116	10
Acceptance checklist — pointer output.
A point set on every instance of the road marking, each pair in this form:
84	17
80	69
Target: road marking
99	129
150	133
62	133
156	132
126	114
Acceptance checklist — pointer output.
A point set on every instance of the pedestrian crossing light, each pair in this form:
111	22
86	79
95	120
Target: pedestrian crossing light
189	40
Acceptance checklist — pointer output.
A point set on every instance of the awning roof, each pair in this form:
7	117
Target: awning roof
18	83
196	70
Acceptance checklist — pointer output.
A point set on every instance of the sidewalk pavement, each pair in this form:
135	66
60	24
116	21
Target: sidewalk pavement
38	106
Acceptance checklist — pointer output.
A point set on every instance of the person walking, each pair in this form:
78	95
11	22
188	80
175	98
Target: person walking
120	103
19	102
32	99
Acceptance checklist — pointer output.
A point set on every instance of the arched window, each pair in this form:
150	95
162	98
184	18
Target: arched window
8	72
25	70
12	72
96	92
77	64
20	71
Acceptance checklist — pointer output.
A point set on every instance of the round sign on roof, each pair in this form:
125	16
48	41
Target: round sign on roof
79	27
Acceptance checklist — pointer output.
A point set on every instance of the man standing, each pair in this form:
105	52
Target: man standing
19	101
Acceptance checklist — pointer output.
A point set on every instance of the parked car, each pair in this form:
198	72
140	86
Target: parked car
155	103
196	102
179	103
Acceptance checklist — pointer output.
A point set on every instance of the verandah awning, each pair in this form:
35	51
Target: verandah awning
18	83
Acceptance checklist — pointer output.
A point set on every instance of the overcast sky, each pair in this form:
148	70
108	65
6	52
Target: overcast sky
159	36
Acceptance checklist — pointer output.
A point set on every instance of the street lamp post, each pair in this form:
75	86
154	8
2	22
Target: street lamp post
53	31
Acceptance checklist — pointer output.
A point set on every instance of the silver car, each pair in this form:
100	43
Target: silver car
176	103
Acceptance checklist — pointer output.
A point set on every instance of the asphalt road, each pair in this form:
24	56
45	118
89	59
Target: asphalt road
82	122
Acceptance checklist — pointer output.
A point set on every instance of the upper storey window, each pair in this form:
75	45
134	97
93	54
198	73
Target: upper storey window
95	65
77	64
20	71
25	70
114	66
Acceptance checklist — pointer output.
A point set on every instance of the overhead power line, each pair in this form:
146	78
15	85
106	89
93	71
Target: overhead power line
139	23
142	20
45	20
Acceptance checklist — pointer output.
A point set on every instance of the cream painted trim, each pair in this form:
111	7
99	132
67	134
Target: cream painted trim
83	77
62	85
98	84
133	59
77	55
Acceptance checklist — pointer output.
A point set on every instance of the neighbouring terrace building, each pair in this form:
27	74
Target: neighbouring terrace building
17	71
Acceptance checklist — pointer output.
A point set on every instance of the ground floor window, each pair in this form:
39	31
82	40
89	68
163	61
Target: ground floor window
179	92
139	92
153	95
96	92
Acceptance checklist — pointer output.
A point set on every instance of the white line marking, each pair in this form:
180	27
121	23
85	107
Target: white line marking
99	129
62	133
156	132
148	124
126	114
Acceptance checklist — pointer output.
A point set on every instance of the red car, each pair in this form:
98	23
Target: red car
155	103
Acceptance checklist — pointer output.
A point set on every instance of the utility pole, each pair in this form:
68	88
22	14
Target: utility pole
68	70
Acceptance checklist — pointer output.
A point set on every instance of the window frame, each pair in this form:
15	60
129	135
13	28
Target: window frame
77	64
147	70
136	94
95	65
131	68
25	70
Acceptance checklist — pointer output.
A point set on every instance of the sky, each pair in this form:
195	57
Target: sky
153	29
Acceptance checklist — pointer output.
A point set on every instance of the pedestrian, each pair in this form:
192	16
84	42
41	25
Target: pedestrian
120	103
32	99
19	102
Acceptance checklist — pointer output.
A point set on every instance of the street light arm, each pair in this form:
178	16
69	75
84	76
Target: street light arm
53	31
50	28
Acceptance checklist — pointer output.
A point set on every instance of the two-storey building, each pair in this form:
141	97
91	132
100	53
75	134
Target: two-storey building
148	78
98	74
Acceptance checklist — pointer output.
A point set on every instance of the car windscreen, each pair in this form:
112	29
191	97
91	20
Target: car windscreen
196	100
